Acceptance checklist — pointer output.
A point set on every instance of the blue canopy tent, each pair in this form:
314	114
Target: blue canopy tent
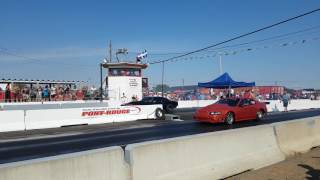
225	81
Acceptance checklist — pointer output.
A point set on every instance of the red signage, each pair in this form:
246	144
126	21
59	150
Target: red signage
111	111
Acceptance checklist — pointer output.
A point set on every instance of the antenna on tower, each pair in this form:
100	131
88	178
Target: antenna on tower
122	51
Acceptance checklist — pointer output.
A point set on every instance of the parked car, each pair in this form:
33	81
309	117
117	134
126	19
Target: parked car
232	110
167	104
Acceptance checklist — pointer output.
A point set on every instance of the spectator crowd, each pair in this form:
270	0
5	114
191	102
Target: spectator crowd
213	94
39	93
15	92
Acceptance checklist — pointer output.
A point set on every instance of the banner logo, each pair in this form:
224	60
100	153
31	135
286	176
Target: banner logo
110	111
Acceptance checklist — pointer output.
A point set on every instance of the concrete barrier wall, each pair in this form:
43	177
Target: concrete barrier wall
195	103
274	106
51	102
222	154
100	164
30	107
52	105
19	120
12	121
298	136
205	156
53	118
277	105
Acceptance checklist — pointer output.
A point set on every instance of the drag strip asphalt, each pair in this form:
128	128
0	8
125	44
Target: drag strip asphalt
18	150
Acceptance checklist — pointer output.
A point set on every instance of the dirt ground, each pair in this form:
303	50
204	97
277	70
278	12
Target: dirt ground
303	166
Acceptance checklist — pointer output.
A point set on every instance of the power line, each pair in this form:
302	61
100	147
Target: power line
248	49
238	37
278	37
7	52
301	32
267	39
246	43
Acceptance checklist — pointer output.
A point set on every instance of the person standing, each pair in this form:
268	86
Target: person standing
39	94
285	101
33	94
247	94
25	94
134	98
46	93
16	92
123	98
53	93
7	96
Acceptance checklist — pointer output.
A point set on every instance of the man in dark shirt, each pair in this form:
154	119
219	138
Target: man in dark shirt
8	93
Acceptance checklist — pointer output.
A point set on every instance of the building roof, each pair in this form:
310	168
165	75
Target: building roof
125	65
184	88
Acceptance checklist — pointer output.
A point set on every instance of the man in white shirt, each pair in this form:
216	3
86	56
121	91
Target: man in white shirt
53	92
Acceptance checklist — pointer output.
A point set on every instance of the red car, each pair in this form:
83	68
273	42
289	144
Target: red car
231	110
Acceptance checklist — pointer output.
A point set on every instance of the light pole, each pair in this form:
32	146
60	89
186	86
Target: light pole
101	90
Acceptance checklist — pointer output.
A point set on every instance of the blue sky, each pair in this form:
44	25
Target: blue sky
67	39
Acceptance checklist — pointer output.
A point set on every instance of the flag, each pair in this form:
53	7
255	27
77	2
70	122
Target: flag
142	56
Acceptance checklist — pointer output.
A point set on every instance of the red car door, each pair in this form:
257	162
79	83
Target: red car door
247	110
252	112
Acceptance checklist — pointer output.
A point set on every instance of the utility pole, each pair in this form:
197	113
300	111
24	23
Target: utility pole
220	64
110	51
162	79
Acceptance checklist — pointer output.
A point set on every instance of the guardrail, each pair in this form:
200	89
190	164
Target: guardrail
203	156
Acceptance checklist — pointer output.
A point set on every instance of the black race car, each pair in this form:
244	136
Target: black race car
167	104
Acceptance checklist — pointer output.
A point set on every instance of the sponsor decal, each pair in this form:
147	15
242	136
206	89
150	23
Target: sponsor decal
110	111
133	83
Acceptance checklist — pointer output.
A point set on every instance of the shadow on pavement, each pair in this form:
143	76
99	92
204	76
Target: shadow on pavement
313	174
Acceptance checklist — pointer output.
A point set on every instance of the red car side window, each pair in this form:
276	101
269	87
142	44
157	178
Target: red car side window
245	102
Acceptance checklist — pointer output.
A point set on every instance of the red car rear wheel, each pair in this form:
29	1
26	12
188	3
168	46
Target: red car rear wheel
260	115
